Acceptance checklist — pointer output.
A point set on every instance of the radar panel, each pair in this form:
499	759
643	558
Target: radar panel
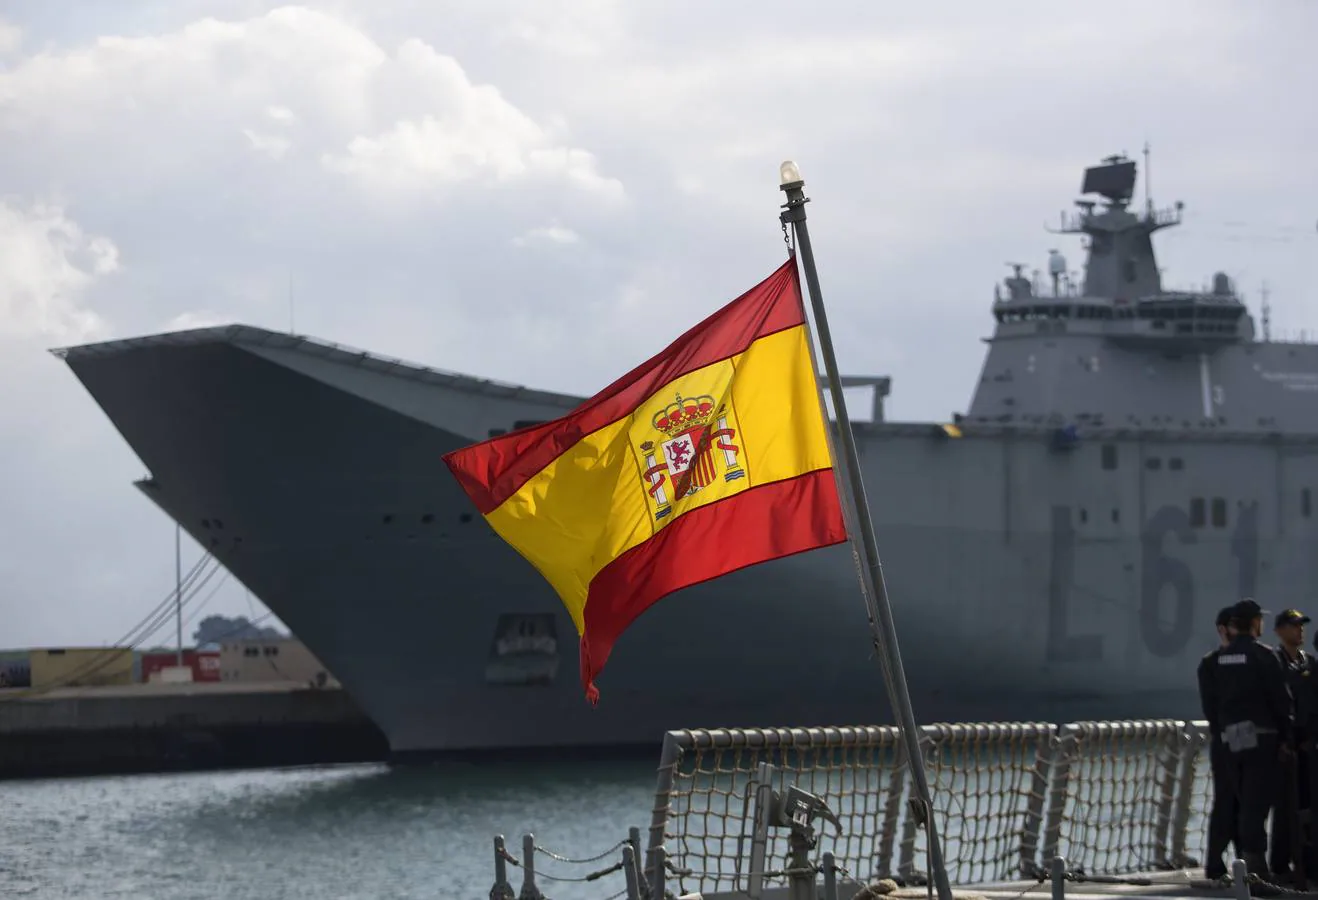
1113	180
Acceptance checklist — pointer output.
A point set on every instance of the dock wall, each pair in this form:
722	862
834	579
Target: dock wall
172	727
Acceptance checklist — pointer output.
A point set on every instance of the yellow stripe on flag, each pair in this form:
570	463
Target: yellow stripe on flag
592	503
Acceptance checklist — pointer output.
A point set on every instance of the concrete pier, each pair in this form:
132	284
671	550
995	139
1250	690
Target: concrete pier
172	727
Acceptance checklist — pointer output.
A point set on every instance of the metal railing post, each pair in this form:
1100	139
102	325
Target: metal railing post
1055	809
1239	879
1196	739
671	753
1170	744
1032	826
1058	873
892	811
501	890
629	871
529	889
830	877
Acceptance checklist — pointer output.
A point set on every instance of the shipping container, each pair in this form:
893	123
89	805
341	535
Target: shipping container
283	659
205	664
81	666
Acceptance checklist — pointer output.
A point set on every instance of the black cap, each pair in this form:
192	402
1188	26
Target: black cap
1290	617
1224	616
1248	610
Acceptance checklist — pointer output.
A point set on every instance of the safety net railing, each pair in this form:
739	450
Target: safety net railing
1110	797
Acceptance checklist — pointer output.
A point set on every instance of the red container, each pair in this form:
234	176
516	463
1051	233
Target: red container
205	664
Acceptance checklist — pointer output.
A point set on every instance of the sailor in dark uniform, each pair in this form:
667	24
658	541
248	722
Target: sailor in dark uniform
1253	710
1222	816
1293	787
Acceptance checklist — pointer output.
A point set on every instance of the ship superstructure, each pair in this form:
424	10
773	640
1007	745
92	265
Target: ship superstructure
1132	459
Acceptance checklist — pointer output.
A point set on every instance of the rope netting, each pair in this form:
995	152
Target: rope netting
988	780
988	786
1113	813
1112	798
709	812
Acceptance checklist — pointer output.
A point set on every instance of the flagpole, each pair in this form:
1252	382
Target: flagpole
883	630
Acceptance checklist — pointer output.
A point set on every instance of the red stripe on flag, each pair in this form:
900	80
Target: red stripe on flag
762	523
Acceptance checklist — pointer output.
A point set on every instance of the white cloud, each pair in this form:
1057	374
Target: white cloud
473	134
11	37
583	29
273	146
547	234
431	152
273	139
406	121
47	264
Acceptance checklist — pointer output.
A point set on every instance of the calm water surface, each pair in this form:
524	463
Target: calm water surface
326	832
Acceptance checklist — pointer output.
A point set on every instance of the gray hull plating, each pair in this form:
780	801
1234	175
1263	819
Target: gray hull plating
1036	574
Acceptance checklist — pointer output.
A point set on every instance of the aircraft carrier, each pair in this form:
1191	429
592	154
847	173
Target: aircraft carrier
1132	459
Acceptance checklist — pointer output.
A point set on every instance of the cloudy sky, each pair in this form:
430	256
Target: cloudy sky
547	192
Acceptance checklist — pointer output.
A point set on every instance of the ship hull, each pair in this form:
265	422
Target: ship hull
1028	581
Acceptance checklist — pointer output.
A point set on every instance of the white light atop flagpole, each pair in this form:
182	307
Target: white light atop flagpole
788	173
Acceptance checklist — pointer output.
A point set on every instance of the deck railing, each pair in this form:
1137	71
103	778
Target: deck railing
1110	798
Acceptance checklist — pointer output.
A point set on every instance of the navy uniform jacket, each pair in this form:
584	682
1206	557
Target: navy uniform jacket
1208	692
1250	686
1299	682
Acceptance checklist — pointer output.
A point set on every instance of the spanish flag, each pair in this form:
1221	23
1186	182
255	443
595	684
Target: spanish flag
710	457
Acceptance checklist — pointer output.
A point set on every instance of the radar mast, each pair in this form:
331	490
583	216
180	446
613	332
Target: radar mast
1120	263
